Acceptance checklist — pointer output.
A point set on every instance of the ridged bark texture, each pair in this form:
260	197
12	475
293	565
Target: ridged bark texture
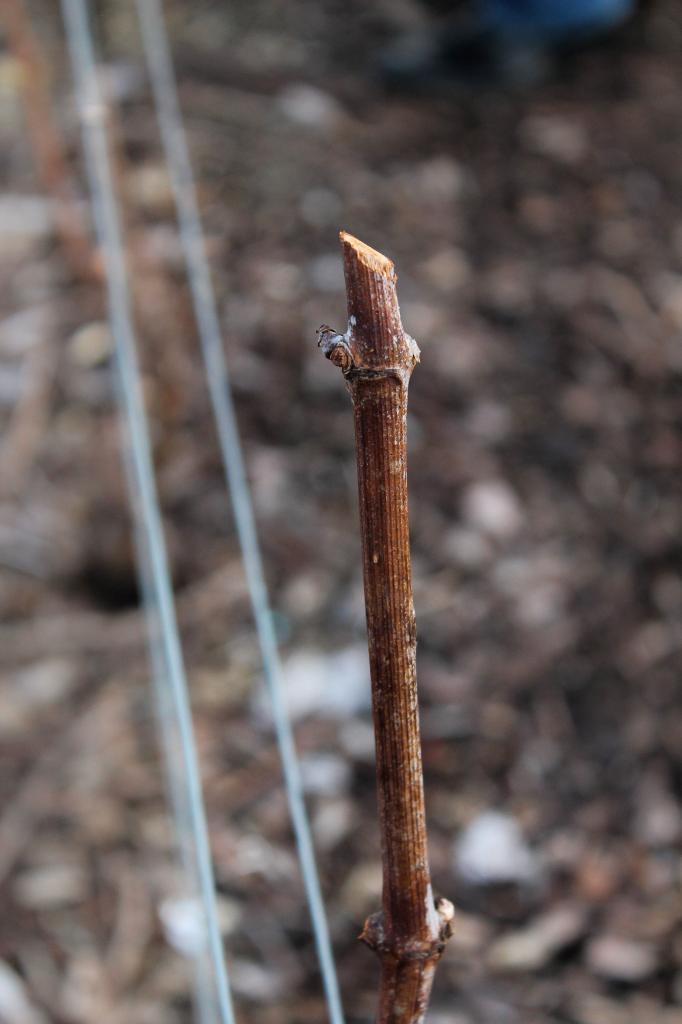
377	358
380	408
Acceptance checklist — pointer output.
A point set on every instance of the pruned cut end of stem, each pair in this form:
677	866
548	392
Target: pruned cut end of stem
375	339
369	257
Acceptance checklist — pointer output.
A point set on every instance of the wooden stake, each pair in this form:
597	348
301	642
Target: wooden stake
377	358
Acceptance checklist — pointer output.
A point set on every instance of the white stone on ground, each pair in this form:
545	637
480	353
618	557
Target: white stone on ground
327	684
492	849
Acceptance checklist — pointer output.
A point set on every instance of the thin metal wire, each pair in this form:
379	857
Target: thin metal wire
164	86
144	497
204	990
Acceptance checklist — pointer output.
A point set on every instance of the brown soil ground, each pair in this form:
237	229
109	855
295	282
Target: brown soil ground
538	240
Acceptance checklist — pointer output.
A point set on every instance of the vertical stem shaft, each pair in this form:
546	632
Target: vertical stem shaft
380	406
377	358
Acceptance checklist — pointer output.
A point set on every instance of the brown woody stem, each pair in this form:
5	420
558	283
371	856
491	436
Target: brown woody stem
377	358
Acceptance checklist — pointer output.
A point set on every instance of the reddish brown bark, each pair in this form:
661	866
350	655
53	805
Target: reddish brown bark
377	358
51	163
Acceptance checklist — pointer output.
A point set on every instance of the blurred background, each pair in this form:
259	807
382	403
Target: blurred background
537	233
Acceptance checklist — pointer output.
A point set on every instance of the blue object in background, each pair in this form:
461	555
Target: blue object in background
552	21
